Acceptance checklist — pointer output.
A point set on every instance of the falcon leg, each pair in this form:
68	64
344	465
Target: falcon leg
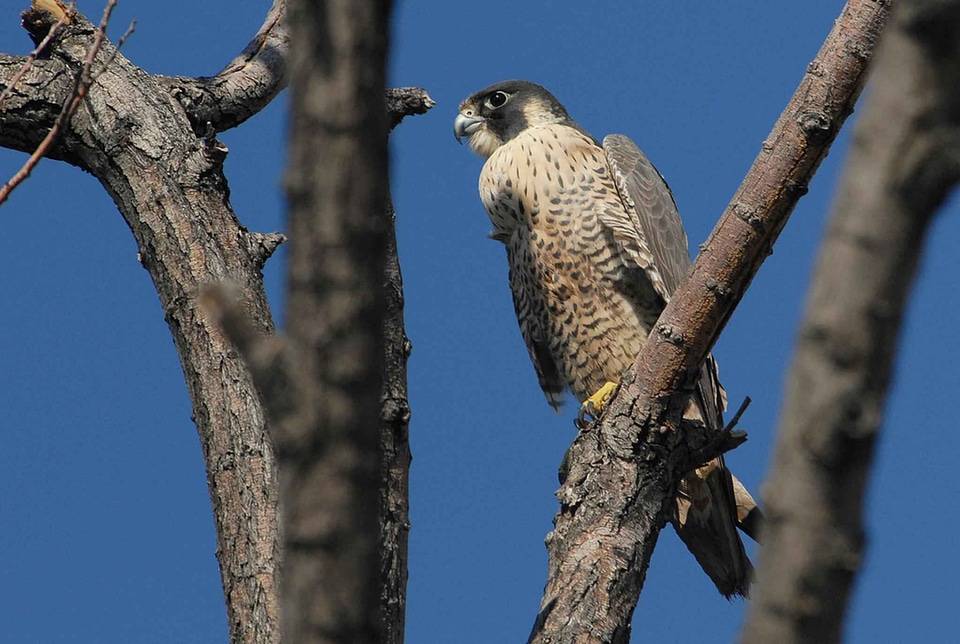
595	404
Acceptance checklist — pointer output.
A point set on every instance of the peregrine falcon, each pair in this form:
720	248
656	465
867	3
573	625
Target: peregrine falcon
595	248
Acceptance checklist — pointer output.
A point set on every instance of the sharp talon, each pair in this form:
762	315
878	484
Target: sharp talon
581	421
595	404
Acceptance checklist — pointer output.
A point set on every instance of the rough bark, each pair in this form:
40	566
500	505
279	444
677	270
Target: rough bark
406	101
394	450
242	88
170	189
904	159
623	471
190	240
395	454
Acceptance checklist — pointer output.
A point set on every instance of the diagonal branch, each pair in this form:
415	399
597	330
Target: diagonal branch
904	160
624	470
252	79
245	86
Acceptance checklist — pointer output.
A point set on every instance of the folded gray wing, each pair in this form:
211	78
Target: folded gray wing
648	229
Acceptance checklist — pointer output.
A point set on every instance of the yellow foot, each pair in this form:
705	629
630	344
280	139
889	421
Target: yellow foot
595	404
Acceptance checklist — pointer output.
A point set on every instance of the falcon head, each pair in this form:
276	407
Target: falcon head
496	114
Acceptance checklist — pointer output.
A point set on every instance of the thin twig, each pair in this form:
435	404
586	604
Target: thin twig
113	54
81	85
736	417
28	63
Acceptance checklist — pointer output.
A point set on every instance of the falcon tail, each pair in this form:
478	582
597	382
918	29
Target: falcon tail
707	525
711	504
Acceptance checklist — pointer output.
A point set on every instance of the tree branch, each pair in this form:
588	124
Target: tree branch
81	84
245	86
273	364
904	159
394	448
170	189
252	79
193	216
624	470
406	101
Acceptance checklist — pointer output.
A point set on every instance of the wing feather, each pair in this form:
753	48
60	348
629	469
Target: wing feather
648	229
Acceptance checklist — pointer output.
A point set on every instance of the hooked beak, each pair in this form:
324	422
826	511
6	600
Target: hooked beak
465	126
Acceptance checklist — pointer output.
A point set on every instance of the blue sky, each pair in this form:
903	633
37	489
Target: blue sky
107	531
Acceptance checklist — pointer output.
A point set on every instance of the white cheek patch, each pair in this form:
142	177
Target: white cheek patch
484	142
539	112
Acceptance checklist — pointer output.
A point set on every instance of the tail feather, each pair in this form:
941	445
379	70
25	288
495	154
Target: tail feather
711	503
749	516
705	521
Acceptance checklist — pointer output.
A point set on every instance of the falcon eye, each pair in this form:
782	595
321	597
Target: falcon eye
497	99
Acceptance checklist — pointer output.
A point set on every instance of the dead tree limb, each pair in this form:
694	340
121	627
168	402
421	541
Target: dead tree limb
139	135
323	382
394	451
623	471
904	160
245	86
170	188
